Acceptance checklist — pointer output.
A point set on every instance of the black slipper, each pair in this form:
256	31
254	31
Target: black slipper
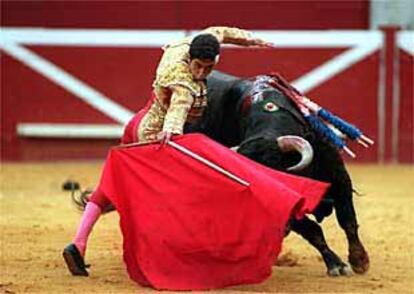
74	261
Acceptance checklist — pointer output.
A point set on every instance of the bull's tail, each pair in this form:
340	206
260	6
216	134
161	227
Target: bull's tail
81	198
356	192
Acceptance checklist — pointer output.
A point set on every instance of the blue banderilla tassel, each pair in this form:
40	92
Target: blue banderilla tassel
351	131
324	130
317	116
319	126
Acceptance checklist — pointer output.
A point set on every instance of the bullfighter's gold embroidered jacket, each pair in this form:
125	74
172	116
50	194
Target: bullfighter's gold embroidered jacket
178	97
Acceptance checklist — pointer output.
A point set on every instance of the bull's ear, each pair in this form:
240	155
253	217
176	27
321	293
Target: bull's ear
286	103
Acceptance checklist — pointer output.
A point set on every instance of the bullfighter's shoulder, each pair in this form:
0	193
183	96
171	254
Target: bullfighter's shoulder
177	74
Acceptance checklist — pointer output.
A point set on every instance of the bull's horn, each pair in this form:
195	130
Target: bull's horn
235	148
296	143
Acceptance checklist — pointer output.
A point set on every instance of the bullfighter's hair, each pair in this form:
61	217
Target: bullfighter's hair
204	46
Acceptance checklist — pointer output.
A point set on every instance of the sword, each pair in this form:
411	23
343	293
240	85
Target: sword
197	157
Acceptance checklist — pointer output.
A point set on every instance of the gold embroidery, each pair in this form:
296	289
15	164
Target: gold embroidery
178	97
228	35
151	124
177	74
181	102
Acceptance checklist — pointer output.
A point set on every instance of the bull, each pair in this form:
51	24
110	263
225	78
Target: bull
269	128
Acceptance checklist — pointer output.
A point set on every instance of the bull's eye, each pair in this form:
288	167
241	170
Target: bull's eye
270	107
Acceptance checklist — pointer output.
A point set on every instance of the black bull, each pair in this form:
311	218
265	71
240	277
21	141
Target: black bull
256	129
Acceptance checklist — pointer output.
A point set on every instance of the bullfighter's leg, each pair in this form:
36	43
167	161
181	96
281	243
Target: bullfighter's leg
74	253
346	216
313	233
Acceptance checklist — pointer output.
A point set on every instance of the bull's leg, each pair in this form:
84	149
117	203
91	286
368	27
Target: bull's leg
346	216
313	233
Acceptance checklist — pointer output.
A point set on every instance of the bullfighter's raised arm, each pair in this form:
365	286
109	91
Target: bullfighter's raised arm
232	35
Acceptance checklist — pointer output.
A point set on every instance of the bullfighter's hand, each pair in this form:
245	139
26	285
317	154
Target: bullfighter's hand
260	43
164	137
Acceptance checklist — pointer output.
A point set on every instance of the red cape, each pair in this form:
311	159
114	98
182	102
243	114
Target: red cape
188	227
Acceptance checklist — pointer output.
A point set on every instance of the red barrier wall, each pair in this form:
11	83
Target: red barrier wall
127	79
280	15
125	73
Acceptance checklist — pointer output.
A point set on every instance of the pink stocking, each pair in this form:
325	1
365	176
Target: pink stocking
90	216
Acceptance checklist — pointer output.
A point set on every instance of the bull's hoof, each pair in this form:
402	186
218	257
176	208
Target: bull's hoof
359	261
340	270
287	259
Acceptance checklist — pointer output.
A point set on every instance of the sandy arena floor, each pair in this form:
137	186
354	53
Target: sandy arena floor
38	220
